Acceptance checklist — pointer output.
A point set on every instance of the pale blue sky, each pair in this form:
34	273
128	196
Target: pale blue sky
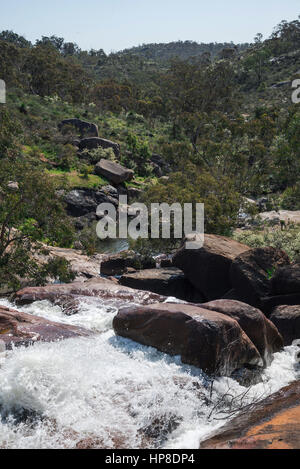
117	24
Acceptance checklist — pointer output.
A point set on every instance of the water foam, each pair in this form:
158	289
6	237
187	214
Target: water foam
113	391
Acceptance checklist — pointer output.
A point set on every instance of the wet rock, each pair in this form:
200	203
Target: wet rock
258	328
287	320
164	281
274	423
208	268
114	172
251	273
208	340
95	288
93	143
19	329
84	128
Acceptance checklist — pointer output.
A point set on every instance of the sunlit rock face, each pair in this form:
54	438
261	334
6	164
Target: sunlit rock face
272	424
206	339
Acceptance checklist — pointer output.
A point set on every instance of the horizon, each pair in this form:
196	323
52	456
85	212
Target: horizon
129	23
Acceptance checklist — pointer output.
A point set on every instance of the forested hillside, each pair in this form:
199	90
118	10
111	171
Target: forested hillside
215	120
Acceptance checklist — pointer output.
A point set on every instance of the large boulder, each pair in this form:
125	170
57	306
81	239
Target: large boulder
165	281
117	264
206	339
208	268
114	172
286	280
85	129
274	423
258	328
251	273
101	288
287	320
17	328
96	142
81	202
269	303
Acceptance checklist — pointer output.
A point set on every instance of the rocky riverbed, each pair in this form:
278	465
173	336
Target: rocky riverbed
97	364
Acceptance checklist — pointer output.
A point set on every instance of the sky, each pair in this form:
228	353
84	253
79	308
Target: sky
114	25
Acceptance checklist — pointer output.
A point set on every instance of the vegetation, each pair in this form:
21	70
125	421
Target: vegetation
220	117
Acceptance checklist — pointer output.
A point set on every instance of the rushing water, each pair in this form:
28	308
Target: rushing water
114	392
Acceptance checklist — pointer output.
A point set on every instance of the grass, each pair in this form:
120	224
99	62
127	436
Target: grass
75	180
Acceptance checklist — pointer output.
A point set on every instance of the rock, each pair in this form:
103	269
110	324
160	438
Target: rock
287	321
85	221
133	193
111	191
163	261
274	423
251	273
84	267
156	170
208	268
95	288
118	263
160	162
205	339
81	202
258	328
114	172
17	329
13	186
164	281
286	280
269	303
84	128
94	142
288	216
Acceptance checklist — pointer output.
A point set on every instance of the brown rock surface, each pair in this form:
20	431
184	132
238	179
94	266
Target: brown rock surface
17	328
208	268
272	424
96	288
287	321
286	280
114	172
206	339
258	328
165	281
251	273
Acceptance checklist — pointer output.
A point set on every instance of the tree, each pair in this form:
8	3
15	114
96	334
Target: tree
14	38
9	129
191	185
30	213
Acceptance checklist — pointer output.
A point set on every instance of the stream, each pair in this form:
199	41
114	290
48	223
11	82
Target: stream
114	393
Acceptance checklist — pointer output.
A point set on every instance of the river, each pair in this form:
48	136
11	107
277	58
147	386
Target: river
114	392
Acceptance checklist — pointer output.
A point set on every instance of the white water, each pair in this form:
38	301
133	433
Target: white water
112	390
